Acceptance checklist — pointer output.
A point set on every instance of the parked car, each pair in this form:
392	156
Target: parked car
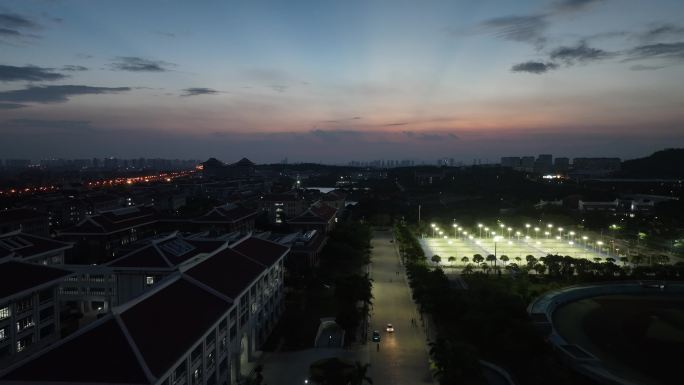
389	328
376	336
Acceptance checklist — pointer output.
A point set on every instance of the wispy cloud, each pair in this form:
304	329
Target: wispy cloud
279	87
28	73
138	64
342	120
580	53
525	28
74	68
534	67
60	125
575	5
199	91
11	106
661	31
14	26
431	136
671	51
55	94
641	67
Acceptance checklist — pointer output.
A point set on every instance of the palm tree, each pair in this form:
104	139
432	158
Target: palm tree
464	260
540	268
452	259
468	269
485	267
360	374
518	260
491	258
436	258
504	259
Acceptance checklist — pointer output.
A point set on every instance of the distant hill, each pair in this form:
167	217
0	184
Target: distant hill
667	163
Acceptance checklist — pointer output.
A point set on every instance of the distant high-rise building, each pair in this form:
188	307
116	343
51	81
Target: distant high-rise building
561	165
510	162
595	166
543	164
17	163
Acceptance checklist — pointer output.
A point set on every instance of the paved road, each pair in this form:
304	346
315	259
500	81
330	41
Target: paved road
403	357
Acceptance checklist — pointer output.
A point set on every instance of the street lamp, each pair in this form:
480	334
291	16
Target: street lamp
486	229
509	232
547	234
536	232
527	228
480	226
496	239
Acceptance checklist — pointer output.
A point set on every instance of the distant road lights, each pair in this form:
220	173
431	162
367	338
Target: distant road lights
527	237
470	237
558	237
547	234
518	234
571	243
494	234
549	226
445	237
478	242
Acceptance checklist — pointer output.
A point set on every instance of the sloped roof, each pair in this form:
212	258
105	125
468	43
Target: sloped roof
261	250
318	213
228	272
167	253
99	355
13	215
165	325
113	221
244	162
28	245
227	214
16	277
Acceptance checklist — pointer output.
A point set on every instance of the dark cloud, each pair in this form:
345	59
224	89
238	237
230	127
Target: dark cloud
342	120
61	125
335	135
74	68
534	67
9	32
396	124
672	51
662	31
138	64
55	94
199	91
526	28
579	54
430	136
170	35
11	106
11	20
575	5
640	67
28	73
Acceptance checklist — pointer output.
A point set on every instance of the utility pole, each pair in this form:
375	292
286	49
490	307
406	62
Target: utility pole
418	215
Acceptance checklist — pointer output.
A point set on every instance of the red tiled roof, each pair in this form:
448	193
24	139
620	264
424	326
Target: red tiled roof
99	355
114	221
228	272
263	251
229	215
166	324
13	215
159	257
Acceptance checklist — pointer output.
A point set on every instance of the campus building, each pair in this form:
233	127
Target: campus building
202	325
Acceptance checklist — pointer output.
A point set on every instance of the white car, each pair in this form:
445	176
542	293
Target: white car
389	328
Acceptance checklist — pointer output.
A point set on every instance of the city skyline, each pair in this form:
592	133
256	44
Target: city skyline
330	82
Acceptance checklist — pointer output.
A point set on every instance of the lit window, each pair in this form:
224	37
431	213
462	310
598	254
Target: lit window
3	334
149	280
4	312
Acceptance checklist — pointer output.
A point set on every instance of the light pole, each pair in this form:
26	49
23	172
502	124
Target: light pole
536	232
480	226
527	228
509	232
433	229
486	229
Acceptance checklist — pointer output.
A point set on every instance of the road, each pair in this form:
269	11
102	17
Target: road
402	357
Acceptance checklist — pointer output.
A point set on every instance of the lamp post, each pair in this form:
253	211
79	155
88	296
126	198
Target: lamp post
536	232
479	225
486	229
527	228
509	232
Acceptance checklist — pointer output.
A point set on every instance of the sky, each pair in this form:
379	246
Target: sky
333	81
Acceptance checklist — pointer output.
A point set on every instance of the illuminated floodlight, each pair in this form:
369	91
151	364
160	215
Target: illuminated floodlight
501	225
517	233
558	237
527	237
497	238
572	233
599	243
493	232
433	225
486	228
549	226
571	243
510	243
527	225
546	233
450	242
477	242
536	229
445	237
470	237
539	243
454	225
585	237
479	225
509	229
465	233
560	229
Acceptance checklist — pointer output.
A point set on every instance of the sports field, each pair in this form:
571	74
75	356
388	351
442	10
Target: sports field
637	337
513	248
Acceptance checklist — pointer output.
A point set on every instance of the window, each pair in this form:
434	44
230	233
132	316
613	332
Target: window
5	312
197	376
233	315
24	304
233	332
211	338
196	354
25	323
149	280
45	295
23	343
4	333
47	331
179	373
47	313
98	291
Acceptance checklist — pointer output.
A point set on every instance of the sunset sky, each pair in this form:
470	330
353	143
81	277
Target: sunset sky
333	81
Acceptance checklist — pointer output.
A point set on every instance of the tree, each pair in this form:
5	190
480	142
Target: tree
468	269
464	260
598	259
623	260
504	259
539	268
518	260
491	258
456	363
360	374
436	258
452	259
485	267
477	258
